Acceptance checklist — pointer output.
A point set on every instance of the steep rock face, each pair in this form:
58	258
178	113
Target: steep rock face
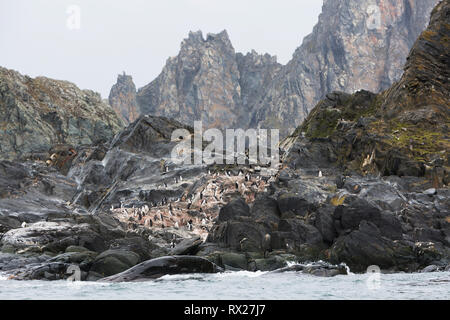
122	98
36	114
401	131
355	45
207	81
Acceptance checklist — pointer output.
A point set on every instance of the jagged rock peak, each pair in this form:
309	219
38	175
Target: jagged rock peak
355	45
208	81
122	98
258	59
197	38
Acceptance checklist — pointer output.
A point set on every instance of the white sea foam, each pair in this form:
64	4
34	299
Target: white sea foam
243	273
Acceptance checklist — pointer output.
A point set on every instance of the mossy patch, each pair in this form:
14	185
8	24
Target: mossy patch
420	141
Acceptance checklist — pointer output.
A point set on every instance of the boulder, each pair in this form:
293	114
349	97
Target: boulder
187	247
236	208
156	268
366	246
114	261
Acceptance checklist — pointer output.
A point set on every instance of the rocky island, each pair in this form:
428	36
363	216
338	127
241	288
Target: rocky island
363	180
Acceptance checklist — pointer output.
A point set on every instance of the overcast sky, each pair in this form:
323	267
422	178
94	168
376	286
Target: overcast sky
41	37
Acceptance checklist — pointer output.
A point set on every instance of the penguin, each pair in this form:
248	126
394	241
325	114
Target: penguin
320	174
172	242
24	224
266	244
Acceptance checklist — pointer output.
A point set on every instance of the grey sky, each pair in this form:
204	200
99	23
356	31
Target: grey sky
137	36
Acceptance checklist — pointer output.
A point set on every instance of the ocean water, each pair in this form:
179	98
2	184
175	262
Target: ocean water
241	285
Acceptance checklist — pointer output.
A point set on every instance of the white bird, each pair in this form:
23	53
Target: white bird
320	174
24	224
176	225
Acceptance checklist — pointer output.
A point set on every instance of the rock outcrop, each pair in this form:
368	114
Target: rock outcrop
122	98
208	81
363	181
36	114
355	45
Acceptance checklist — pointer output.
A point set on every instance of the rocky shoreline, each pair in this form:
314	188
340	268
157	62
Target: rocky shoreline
363	181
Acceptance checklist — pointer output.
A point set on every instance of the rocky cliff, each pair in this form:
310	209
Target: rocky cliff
208	81
36	114
355	45
373	164
122	98
363	181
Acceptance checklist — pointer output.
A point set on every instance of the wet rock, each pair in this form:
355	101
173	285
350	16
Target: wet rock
320	269
366	246
137	244
431	268
42	271
114	261
83	259
270	264
156	268
187	247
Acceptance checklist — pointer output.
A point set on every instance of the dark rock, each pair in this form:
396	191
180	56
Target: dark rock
187	247
366	246
320	269
156	268
236	208
114	261
325	224
294	205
